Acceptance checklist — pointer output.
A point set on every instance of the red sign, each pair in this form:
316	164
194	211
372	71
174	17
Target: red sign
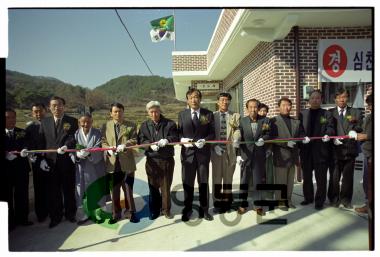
335	61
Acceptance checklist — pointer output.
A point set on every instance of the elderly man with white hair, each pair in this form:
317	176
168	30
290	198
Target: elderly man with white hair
159	158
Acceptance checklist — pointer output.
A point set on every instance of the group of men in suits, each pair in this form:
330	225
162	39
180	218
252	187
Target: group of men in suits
54	172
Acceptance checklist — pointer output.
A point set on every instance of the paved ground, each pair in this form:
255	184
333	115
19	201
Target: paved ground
306	229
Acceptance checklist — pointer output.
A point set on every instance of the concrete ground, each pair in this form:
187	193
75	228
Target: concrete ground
305	228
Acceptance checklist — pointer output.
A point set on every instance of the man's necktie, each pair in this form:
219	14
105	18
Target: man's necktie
117	130
341	115
223	128
195	120
57	122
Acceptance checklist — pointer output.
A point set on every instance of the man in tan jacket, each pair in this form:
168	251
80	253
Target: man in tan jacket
223	156
121	164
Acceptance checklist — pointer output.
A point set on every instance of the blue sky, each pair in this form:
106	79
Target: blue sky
88	47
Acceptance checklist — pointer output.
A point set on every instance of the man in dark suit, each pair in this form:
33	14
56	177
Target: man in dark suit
15	184
40	177
57	132
348	122
195	124
317	122
159	158
285	155
253	128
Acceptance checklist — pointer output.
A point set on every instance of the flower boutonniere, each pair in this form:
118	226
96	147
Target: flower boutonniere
79	147
203	120
265	127
322	120
66	126
20	135
351	119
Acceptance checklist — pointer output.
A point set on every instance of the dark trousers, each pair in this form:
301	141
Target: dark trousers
160	176
201	170
250	173
17	193
61	188
331	168
320	173
344	169
40	184
370	194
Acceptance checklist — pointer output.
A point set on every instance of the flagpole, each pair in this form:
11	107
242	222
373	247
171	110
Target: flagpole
175	35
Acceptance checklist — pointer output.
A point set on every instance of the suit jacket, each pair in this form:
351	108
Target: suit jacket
351	121
206	130
323	125
251	153
368	129
284	156
233	133
16	143
128	135
167	129
64	136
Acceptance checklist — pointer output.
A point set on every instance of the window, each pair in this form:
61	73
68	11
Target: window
237	98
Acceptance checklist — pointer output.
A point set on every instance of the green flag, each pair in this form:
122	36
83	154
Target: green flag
162	29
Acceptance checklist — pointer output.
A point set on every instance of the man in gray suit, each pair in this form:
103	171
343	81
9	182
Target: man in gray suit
223	156
285	155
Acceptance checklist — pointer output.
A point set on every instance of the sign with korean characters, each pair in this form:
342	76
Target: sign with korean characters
345	60
208	86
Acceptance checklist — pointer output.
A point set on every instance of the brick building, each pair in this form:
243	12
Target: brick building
270	53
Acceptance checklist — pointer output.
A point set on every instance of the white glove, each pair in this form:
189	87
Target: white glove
154	147
352	134
120	148
200	143
24	153
62	150
325	138
306	140
260	142
236	143
44	166
162	142
184	140
82	154
291	144
10	156
337	141
72	158
218	150
111	153
239	160
32	158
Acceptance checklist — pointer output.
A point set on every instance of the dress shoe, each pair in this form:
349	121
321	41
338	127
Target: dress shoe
206	216
41	219
134	218
242	210
319	207
153	216
72	219
53	224
99	221
185	218
82	221
218	210
362	210
304	202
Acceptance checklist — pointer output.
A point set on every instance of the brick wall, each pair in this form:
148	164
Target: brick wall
189	62
268	71
220	32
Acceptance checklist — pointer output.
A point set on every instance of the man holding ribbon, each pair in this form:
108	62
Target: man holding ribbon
159	158
195	127
120	164
57	132
317	122
348	121
223	156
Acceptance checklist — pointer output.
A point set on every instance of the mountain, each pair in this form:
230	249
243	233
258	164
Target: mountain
23	89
